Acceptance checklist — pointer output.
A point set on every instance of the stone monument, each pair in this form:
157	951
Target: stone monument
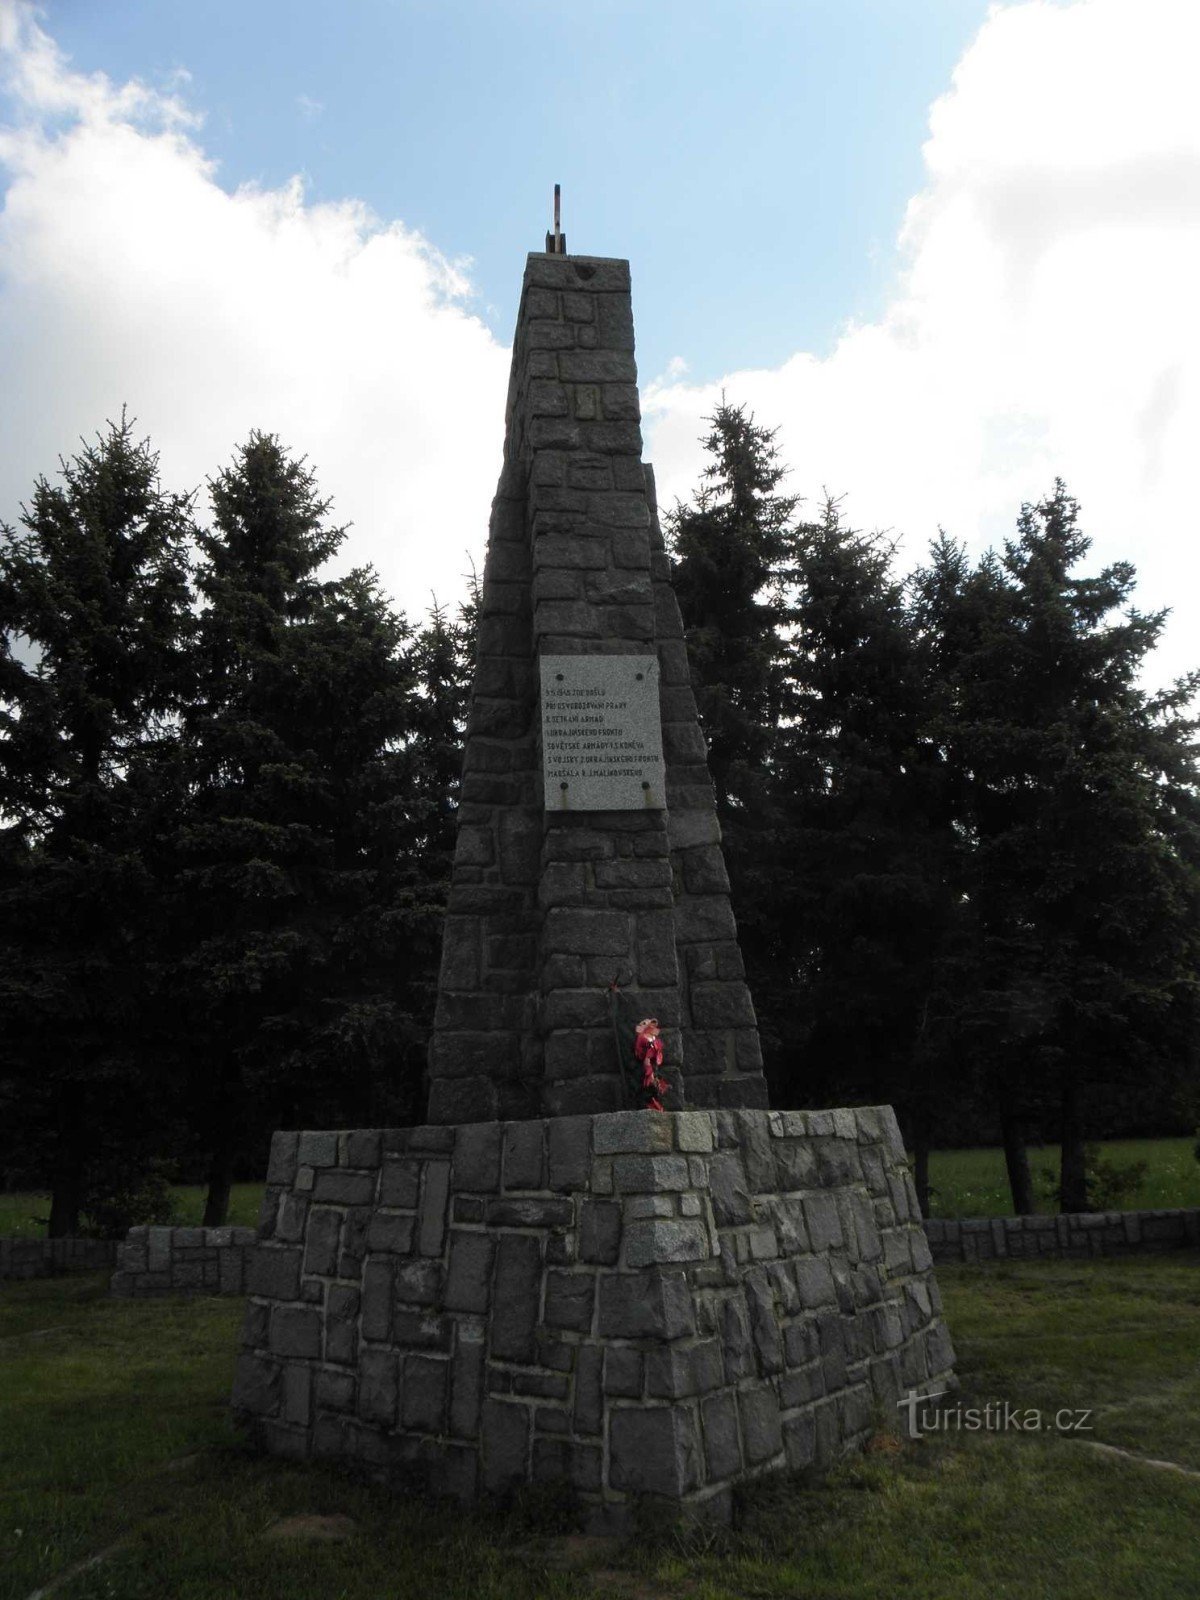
543	1283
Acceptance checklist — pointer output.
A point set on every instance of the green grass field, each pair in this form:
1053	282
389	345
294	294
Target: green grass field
966	1183
973	1183
25	1213
114	1438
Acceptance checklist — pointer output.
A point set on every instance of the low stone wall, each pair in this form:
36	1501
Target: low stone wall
1083	1233
183	1261
47	1258
633	1302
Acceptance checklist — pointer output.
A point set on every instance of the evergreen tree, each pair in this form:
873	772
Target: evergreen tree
94	627
296	901
732	549
1079	810
867	838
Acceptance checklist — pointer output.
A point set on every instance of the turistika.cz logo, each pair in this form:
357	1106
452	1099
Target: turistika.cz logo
997	1416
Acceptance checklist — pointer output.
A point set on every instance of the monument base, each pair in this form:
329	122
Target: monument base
635	1303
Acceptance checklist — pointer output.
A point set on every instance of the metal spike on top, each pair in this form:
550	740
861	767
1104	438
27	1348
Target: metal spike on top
556	242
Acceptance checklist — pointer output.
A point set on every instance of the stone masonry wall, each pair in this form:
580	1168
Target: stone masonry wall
547	905
22	1258
633	1302
183	1261
1084	1233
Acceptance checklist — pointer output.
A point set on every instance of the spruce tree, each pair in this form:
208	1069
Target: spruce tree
295	907
1079	803
94	630
732	549
867	839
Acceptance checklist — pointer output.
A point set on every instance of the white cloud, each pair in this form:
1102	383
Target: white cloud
309	108
128	275
1045	318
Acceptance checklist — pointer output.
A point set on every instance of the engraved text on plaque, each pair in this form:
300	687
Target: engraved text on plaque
601	733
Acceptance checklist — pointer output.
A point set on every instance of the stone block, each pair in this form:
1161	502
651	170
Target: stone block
678	1371
417	1282
762	1435
623	1370
335	1391
722	1443
653	1304
736	1339
824	1223
435	1193
568	1153
524	1155
341	1187
661	1240
423	1395
814	1282
729	1190
386	1231
466	1383
600	1232
295	1331
281	1169
273	1272
378	1387
587	932
638	1174
377	1283
468	1284
505	1445
693	1131
257	1385
515	1297
528	1212
232	1271
653	1450
633	1132
588	1399
598	366
569	1300
317	1149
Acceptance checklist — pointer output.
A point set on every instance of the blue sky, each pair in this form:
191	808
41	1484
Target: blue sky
752	159
948	250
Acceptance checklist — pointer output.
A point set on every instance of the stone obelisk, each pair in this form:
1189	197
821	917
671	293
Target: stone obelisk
588	847
542	1285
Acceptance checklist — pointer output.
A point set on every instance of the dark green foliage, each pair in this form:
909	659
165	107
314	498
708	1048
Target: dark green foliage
1109	1184
867	841
227	819
94	632
299	844
1076	804
963	841
732	551
124	1189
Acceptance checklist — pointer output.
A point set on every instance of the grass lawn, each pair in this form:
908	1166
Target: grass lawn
113	1433
26	1213
973	1183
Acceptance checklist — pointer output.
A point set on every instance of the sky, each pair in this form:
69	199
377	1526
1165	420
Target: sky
948	249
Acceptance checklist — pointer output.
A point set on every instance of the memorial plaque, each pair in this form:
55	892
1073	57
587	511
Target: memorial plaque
601	733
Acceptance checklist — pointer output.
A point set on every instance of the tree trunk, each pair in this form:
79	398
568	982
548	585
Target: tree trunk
921	1158
220	1179
1073	1179
66	1184
64	1203
1016	1159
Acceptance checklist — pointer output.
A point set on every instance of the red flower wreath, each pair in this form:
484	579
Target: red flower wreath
648	1053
